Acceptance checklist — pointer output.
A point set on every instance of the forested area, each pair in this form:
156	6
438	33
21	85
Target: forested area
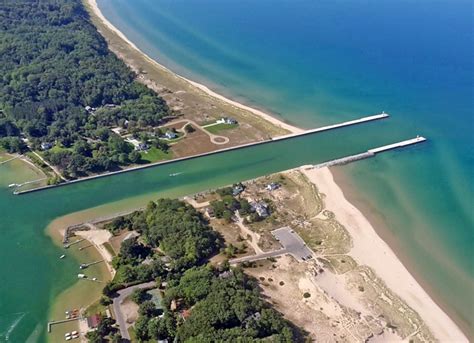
53	64
212	305
201	303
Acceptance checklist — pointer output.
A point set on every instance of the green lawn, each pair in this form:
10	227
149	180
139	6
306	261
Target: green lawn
155	155
214	129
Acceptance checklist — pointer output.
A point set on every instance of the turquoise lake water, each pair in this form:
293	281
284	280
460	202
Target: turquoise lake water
312	63
320	62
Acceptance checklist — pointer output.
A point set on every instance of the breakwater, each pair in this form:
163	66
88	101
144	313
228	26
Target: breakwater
362	120
371	152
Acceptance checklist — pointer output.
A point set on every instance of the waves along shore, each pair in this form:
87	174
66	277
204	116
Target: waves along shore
368	248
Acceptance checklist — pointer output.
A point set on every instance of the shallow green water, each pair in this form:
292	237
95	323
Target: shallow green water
29	262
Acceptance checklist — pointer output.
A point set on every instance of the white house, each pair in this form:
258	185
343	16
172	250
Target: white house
226	120
46	146
171	135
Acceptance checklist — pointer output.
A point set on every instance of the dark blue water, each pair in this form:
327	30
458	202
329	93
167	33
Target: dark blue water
317	62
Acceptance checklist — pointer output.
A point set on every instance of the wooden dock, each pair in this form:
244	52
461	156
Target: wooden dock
50	324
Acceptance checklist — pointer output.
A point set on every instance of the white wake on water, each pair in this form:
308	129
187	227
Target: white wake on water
6	334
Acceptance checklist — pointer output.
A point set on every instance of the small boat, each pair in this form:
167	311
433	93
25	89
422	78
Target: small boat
11	185
62	256
175	174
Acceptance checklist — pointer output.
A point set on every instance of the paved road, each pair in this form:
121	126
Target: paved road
124	293
292	244
261	256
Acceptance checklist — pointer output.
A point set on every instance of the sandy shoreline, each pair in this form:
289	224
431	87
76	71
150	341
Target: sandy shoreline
369	249
293	129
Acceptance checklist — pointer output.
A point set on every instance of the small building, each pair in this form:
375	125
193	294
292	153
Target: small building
147	261
142	147
156	298
226	274
261	208
93	321
226	120
90	109
171	135
237	189
119	131
110	105
272	186
254	317
46	146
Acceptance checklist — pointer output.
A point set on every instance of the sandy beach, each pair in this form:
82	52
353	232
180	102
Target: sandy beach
370	250
293	129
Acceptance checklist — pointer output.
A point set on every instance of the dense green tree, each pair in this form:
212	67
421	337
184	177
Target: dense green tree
53	64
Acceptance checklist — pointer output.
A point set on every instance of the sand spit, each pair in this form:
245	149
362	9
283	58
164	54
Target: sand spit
370	250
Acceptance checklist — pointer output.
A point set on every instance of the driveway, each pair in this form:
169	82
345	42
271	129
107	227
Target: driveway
123	294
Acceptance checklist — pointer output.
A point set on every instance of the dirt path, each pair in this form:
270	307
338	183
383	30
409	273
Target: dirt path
247	232
215	139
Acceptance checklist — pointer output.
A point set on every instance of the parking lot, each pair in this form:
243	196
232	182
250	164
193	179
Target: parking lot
293	243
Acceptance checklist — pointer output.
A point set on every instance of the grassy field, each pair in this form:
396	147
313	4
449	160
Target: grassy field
215	129
95	308
155	155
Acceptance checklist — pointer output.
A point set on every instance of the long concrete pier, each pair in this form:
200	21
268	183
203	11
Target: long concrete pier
402	144
335	126
218	151
371	152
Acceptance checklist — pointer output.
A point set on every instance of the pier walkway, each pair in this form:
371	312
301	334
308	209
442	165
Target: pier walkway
371	152
379	116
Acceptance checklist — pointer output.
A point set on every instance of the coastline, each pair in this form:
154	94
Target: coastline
371	250
92	5
437	320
